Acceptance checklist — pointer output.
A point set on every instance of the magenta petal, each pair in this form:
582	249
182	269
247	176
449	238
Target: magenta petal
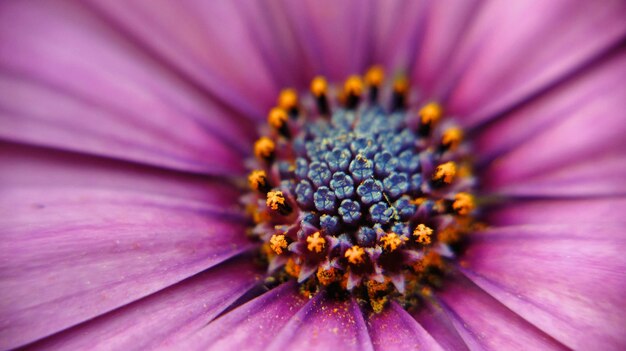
439	325
568	280
484	323
166	317
69	81
395	329
207	42
253	325
514	50
79	241
324	323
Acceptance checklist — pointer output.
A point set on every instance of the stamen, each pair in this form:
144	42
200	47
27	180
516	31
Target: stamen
276	201
423	233
374	78
392	241
315	242
288	101
444	174
451	139
463	203
327	276
400	89
278	243
258	181
429	116
277	118
353	88
319	87
355	255
264	148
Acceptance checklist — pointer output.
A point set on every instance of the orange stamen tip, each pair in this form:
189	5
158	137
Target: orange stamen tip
275	199
401	85
277	117
264	147
423	233
353	85
430	113
392	241
445	172
355	255
288	99
319	86
375	75
292	268
257	179
278	243
315	242
451	138
327	276
463	204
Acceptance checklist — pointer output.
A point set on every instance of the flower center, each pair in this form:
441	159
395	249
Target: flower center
360	197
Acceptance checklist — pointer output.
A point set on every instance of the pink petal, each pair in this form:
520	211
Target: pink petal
69	81
324	323
566	279
166	317
515	50
484	323
83	238
439	325
208	43
253	325
395	329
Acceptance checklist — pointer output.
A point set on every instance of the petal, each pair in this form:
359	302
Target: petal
568	280
166	317
253	325
69	81
324	323
432	317
514	51
395	329
484	323
208	43
83	238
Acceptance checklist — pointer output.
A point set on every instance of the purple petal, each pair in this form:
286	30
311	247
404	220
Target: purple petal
566	279
513	51
439	325
253	325
166	317
394	329
206	42
486	324
82	239
324	323
69	81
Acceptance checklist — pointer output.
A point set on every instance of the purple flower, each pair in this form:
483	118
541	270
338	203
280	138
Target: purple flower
126	127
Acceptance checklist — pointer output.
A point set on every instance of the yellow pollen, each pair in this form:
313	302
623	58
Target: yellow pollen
423	234
392	241
401	85
375	75
292	268
353	85
445	172
264	147
449	236
257	179
277	117
327	276
355	255
288	99
431	113
452	138
463	203
319	86
275	199
418	201
315	242
278	243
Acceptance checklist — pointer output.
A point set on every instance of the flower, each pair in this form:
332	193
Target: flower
124	128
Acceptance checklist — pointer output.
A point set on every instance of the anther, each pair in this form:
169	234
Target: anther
392	241
355	255
277	118
444	174
463	203
353	88
319	88
429	116
423	233
258	181
288	101
315	242
374	78
276	201
451	139
264	148
327	276
400	90
278	243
